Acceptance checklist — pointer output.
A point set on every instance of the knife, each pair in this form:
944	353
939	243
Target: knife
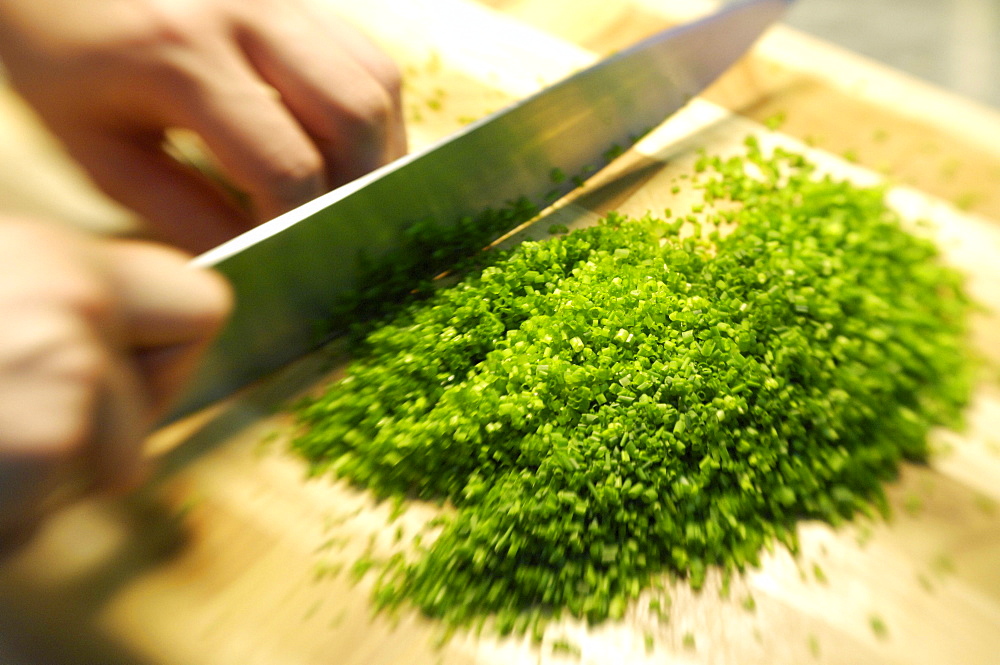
299	278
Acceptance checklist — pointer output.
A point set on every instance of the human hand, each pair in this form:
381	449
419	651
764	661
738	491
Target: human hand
98	336
289	100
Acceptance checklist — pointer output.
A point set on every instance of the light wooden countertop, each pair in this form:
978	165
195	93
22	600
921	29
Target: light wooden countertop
221	560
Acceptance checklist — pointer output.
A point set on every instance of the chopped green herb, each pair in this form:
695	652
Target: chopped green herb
564	646
913	504
987	505
688	640
865	534
878	627
650	396
614	152
814	646
361	567
327	569
949	168
943	564
774	122
968	200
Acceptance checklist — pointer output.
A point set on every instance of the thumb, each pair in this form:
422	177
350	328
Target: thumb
169	311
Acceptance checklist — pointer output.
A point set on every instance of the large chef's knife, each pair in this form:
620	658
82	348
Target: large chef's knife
293	275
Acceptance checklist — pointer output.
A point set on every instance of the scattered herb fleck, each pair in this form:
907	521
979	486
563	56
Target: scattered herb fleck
987	505
326	569
949	168
614	152
564	646
943	564
814	646
878	627
361	567
913	504
968	200
775	121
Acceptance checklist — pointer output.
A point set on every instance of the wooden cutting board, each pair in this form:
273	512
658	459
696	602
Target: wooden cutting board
232	556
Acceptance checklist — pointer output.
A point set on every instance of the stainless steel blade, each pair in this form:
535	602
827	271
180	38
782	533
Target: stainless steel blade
292	274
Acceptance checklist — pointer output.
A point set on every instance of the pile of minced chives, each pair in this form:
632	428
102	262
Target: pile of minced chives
650	397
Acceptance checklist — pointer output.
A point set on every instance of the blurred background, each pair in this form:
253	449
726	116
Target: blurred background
952	43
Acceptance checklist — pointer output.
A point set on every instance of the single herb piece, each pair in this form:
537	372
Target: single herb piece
361	567
943	564
564	646
775	121
986	505
913	504
327	569
649	396
968	200
814	646
878	627
612	153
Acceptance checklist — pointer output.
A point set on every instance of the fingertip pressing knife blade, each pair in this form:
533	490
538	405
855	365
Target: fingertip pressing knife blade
294	273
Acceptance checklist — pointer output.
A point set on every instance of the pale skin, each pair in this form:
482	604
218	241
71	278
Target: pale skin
289	99
98	336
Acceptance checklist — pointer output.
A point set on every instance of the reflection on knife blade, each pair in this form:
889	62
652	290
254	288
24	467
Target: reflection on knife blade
299	278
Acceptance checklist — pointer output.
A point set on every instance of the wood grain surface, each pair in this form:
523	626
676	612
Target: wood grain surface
231	556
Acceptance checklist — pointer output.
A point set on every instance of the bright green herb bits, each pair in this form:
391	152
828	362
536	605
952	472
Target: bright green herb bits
633	399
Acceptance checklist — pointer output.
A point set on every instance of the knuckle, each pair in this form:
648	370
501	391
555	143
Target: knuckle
389	75
82	297
57	271
78	360
168	22
292	174
374	107
60	370
365	116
